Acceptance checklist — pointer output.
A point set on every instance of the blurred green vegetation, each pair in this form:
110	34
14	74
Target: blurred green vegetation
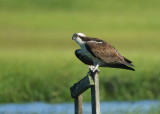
37	61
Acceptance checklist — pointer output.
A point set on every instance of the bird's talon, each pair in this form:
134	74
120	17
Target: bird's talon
91	68
95	70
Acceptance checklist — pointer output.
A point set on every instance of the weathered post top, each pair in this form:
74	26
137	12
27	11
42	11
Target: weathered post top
81	86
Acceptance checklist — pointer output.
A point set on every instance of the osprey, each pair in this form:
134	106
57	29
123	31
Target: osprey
98	53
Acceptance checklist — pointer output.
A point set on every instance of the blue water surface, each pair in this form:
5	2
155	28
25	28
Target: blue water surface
138	107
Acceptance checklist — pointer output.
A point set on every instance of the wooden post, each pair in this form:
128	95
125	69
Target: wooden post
95	99
89	81
81	86
78	101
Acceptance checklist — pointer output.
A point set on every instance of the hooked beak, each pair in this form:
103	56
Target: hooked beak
74	36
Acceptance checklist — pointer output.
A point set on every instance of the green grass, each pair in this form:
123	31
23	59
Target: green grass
111	5
37	61
48	75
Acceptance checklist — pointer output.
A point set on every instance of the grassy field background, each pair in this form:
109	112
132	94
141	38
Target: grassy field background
37	61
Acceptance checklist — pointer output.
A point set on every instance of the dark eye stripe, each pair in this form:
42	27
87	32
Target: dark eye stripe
90	39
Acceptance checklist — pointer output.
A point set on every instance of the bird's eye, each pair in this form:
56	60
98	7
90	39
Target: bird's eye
76	35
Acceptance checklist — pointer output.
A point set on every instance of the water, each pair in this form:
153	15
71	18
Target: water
139	107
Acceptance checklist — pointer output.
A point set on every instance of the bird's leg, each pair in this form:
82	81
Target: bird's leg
96	68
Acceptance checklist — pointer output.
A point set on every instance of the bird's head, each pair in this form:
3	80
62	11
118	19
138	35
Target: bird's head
78	37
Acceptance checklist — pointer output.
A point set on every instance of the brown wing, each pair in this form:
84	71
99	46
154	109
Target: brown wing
104	51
